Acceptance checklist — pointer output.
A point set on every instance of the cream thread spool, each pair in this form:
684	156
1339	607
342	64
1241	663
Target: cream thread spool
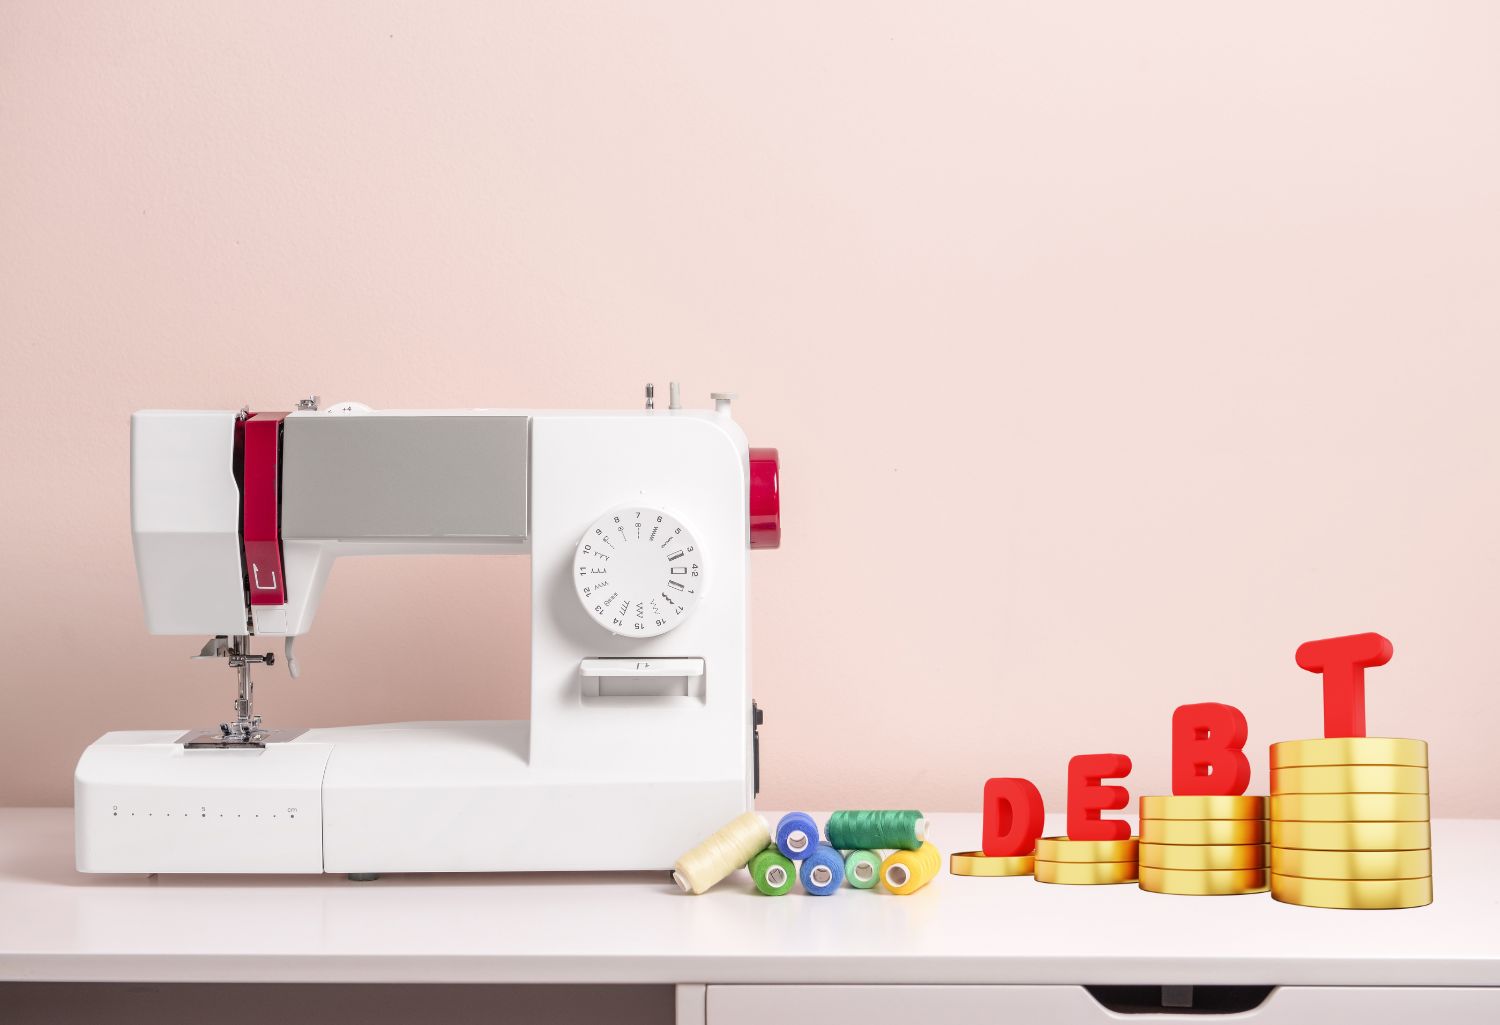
720	854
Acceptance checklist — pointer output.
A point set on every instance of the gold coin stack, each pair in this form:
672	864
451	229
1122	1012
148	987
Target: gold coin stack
977	863
1204	846
1085	862
1349	823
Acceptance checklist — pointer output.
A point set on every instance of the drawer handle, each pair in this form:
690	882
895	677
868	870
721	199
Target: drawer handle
1195	1000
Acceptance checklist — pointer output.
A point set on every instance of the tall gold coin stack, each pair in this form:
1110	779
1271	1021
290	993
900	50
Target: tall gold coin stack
1349	823
1203	846
1085	862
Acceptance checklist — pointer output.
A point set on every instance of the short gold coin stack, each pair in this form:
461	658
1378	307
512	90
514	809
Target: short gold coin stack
1085	862
977	863
1350	823
1204	846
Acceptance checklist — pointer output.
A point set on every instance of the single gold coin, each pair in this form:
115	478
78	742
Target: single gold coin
1060	848
1204	857
1204	831
1286	861
1349	779
1350	808
1211	883
1188	806
1351	836
1085	873
1364	894
977	863
1349	751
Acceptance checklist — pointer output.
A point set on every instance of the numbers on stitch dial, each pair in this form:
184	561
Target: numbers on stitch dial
638	572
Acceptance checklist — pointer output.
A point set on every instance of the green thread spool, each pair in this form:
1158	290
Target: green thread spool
862	869
773	872
876	830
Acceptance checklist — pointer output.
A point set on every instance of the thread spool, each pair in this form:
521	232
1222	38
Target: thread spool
822	871
908	871
796	834
773	873
862	869
877	830
723	852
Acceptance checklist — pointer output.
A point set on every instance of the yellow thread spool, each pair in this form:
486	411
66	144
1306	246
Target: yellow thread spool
908	871
730	848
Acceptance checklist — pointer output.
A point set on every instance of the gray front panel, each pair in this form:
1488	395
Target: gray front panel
379	478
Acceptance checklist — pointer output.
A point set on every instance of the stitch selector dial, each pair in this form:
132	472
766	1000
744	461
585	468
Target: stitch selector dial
638	571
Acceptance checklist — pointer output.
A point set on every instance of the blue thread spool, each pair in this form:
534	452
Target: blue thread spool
796	834
822	871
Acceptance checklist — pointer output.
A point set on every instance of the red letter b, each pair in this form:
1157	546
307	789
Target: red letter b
1208	750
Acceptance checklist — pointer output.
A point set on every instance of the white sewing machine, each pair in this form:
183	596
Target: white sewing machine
642	737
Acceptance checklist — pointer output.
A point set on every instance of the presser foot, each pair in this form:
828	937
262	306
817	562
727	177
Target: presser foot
227	738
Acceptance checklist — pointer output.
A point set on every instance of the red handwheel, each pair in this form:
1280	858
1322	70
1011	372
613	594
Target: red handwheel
765	498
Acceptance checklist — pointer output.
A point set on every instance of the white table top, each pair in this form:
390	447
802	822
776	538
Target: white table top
631	927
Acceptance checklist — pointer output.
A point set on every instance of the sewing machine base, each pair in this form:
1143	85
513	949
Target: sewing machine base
401	797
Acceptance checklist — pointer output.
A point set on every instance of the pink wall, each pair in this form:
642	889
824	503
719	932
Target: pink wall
1112	349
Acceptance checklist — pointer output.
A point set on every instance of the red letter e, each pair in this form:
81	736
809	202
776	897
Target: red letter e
1086	798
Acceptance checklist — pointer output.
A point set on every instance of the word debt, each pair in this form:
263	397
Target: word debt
1208	754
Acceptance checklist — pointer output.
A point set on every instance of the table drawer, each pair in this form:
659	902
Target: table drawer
1075	1005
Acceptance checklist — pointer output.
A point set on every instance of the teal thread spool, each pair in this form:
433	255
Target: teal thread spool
773	872
862	869
876	830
